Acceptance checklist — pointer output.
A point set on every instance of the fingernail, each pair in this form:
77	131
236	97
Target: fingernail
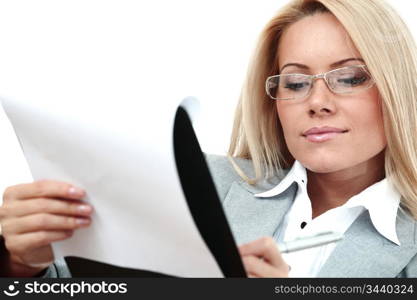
82	221
74	191
84	208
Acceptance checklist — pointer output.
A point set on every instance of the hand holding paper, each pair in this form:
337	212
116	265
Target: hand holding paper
141	219
35	215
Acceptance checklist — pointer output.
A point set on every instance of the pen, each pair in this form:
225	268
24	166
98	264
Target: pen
310	241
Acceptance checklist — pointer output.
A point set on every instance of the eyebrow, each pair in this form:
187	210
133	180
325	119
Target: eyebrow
335	64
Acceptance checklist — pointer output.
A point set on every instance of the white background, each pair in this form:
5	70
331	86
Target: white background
202	47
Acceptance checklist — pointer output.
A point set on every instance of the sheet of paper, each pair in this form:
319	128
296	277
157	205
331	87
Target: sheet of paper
124	160
14	169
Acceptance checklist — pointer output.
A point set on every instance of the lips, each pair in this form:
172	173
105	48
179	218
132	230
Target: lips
322	134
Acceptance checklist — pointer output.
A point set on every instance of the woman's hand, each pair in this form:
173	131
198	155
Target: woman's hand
35	215
261	258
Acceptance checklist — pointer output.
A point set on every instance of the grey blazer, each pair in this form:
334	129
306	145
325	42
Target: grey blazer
362	253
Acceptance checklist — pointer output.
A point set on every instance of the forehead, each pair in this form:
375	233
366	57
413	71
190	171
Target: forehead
316	41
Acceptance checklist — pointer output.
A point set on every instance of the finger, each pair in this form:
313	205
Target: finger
257	267
22	244
44	205
264	247
42	222
43	189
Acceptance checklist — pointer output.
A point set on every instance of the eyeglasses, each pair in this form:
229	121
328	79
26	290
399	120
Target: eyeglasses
346	80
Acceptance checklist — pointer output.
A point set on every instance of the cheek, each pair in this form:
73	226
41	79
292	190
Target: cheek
285	112
288	115
367	119
368	122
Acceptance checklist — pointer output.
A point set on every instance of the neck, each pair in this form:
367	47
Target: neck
329	190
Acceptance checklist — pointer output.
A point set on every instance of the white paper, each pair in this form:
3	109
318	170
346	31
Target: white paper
14	169
124	160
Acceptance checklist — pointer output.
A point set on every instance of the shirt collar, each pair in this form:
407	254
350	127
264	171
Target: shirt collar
381	200
296	174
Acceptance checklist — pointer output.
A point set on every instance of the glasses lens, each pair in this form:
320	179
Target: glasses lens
288	87
349	80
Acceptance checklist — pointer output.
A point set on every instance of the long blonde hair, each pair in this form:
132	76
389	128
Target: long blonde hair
389	51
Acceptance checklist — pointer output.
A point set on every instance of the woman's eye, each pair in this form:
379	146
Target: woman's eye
353	81
295	86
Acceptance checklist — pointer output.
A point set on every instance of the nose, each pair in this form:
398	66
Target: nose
320	101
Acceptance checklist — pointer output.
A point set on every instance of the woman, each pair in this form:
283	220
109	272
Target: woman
329	99
343	118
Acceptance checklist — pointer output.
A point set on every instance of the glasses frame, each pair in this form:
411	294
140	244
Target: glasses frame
318	76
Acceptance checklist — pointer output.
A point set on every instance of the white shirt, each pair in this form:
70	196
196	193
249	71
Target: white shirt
380	199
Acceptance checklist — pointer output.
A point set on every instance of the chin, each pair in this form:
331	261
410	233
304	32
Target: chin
322	164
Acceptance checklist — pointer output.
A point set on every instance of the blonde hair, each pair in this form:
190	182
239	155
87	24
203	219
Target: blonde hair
389	51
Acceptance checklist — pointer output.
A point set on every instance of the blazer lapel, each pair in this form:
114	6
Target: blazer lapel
251	218
366	253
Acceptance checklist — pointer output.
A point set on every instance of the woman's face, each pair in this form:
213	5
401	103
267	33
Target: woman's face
318	43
